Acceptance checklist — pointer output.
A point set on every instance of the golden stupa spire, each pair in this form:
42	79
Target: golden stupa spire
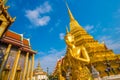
73	22
69	12
38	66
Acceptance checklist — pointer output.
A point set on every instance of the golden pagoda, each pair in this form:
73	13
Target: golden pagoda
86	58
57	73
39	74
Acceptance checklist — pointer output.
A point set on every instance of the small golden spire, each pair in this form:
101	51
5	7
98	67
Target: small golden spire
103	42
69	12
67	31
38	66
38	62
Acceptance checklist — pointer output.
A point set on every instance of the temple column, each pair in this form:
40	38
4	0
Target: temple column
14	68
3	75
32	67
6	74
18	73
25	66
5	58
28	70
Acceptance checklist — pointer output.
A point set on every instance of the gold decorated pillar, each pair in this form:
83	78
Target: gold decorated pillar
25	66
32	67
18	73
6	74
28	69
14	68
5	58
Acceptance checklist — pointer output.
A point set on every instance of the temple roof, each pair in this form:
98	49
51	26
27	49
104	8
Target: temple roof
57	66
26	42
13	35
17	40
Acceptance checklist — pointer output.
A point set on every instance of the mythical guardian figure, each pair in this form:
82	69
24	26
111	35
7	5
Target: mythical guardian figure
75	61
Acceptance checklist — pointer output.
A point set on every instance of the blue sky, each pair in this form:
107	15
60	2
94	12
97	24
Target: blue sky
44	22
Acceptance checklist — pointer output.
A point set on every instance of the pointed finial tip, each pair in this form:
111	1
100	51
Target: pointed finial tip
69	12
14	18
67	31
66	4
39	62
103	42
38	59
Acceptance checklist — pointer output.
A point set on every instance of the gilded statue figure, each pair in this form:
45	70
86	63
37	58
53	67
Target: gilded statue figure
79	58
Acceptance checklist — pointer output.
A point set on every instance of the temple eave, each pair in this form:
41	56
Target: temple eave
28	50
19	44
13	42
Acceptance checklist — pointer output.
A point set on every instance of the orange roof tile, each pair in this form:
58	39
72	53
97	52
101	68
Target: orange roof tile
15	39
13	35
25	42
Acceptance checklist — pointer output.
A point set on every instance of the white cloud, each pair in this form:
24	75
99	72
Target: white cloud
89	27
35	16
50	60
61	35
41	53
111	43
117	14
117	30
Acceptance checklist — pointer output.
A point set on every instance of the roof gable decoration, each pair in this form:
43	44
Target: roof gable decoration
21	35
28	41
